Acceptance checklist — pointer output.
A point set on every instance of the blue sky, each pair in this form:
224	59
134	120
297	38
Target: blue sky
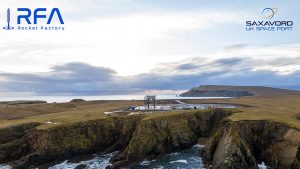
150	45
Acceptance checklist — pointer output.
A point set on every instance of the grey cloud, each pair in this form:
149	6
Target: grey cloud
71	77
229	61
80	78
175	82
236	46
283	61
187	66
204	65
84	71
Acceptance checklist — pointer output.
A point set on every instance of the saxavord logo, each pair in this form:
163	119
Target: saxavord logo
40	19
268	24
268	13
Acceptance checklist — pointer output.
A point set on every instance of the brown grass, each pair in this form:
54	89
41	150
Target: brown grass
283	108
298	116
279	108
58	114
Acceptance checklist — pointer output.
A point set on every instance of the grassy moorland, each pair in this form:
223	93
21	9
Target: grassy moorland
279	108
55	114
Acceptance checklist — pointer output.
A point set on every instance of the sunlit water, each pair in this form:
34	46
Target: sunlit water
66	98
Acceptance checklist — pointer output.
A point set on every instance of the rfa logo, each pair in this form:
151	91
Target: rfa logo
28	17
8	27
36	15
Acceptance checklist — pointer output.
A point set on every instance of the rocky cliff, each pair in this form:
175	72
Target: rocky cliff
33	147
230	144
157	136
244	144
136	137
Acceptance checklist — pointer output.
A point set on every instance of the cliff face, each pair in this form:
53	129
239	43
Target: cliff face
243	144
13	144
158	136
36	147
230	145
136	137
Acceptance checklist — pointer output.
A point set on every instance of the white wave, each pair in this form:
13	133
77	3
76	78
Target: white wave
174	154
5	167
145	163
99	162
179	161
198	146
194	159
262	166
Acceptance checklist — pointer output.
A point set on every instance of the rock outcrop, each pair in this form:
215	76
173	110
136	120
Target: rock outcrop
244	144
12	143
157	136
136	137
36	147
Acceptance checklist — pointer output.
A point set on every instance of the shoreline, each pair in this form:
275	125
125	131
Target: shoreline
63	99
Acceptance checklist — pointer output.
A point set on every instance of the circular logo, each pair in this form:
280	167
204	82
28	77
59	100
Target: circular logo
269	13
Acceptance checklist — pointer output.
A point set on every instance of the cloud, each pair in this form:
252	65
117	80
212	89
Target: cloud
70	77
80	78
236	46
121	46
113	40
186	66
255	78
82	71
229	61
279	59
246	65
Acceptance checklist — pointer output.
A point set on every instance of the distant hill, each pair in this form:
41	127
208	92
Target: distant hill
235	91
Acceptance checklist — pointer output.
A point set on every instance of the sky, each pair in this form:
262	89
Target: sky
128	46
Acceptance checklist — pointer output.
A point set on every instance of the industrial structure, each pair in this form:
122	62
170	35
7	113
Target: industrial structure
150	101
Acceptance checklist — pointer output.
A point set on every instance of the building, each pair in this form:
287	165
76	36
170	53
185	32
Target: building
150	101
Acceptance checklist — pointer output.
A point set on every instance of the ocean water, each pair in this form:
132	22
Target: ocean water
98	162
66	98
186	159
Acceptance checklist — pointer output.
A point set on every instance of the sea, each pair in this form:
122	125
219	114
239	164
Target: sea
186	159
67	98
